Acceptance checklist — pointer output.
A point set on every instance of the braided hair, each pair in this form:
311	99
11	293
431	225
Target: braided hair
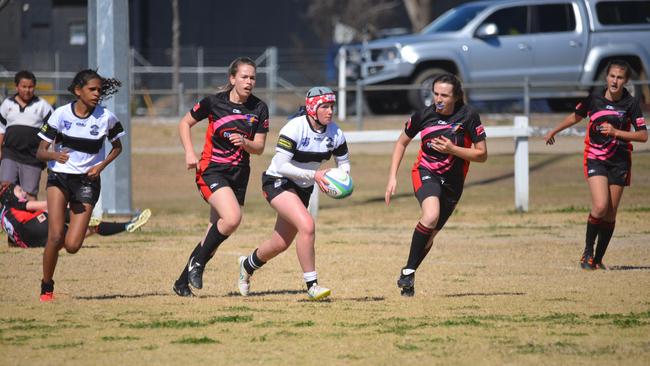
109	86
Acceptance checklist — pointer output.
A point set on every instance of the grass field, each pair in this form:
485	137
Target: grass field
499	287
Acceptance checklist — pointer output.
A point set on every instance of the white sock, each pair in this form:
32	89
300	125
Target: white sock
310	276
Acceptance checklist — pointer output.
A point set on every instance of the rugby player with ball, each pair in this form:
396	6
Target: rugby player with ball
305	142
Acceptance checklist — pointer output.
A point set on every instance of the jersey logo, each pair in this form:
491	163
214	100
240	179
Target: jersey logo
329	143
44	127
67	125
277	183
94	130
196	107
251	118
609	107
41	218
480	130
235	110
265	124
304	141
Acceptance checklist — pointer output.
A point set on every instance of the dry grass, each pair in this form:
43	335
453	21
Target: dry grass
499	287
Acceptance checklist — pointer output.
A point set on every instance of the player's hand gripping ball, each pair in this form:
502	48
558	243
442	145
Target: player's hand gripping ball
339	183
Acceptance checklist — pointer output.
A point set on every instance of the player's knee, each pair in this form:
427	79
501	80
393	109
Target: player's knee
72	248
429	220
600	209
229	224
307	227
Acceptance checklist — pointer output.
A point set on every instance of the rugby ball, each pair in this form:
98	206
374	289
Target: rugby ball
339	183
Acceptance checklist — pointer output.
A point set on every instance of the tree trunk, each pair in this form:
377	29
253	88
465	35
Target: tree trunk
419	12
176	48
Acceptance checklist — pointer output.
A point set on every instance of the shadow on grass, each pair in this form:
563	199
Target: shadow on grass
629	268
266	293
122	296
486	294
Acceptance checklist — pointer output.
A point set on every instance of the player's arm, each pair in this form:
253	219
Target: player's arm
476	153
185	135
254	146
45	154
569	121
96	170
396	159
638	136
36	206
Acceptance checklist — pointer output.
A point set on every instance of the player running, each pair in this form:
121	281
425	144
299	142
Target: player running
305	142
238	123
452	135
78	131
607	156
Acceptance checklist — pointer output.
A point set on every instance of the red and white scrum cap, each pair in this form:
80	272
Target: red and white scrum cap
317	96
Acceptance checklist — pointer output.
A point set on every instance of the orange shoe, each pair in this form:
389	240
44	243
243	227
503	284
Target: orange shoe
47	291
587	262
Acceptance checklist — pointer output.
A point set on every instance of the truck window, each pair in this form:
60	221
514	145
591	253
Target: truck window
510	21
553	18
623	12
454	19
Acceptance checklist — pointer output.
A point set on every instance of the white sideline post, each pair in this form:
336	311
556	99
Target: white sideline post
341	105
521	166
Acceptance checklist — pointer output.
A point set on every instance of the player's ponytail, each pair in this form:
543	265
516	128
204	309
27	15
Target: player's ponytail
109	86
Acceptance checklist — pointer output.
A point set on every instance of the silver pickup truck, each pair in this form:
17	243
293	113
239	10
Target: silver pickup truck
561	46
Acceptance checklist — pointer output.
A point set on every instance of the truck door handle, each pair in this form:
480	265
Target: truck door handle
523	46
575	44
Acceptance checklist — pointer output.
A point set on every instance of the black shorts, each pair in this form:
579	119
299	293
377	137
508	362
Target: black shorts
618	172
427	184
78	187
236	178
273	186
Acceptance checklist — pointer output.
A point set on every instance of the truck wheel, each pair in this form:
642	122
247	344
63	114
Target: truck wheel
635	90
420	98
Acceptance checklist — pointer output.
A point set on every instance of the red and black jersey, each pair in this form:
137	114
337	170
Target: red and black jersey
25	229
225	118
463	128
622	115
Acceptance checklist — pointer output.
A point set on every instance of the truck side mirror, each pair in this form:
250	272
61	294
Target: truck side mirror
487	30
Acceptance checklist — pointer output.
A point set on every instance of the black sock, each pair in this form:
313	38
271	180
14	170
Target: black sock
421	236
604	236
110	228
211	242
590	236
47	287
311	283
183	277
253	262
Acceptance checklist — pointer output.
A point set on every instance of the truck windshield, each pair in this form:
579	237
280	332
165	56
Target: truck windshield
453	19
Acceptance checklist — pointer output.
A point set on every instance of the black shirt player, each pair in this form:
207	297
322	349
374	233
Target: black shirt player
452	135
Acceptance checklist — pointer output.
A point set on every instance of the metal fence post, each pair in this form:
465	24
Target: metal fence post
359	105
200	72
272	78
181	99
521	165
341	102
527	96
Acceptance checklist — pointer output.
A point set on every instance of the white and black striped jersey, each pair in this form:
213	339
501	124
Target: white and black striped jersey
83	138
20	125
308	149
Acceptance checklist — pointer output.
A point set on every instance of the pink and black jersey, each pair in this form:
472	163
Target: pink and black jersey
225	118
622	115
463	128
